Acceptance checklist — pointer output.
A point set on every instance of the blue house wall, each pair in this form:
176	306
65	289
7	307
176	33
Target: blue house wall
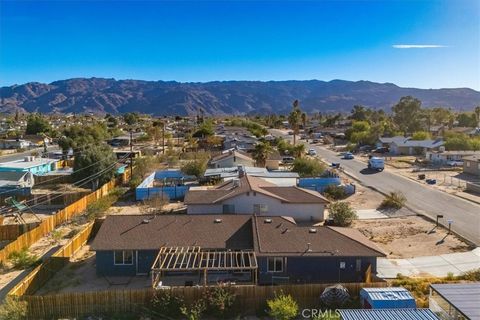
142	263
315	269
37	170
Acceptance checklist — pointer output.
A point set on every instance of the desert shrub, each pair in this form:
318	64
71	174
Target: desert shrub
166	304
472	275
219	301
393	200
335	192
98	208
23	259
342	214
193	311
13	309
56	235
282	307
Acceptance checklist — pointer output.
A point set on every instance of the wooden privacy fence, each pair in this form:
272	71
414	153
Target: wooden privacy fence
62	216
41	274
249	299
13	231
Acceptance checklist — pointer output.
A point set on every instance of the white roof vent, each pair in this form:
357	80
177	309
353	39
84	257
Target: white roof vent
312	230
217	220
268	220
145	221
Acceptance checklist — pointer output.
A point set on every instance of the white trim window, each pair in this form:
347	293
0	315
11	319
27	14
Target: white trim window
260	208
275	264
124	257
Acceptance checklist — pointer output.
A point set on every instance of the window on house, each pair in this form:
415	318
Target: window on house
260	208
468	164
275	264
123	257
228	208
358	265
342	265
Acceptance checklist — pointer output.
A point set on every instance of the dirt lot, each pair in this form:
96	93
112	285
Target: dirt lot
364	198
80	275
407	237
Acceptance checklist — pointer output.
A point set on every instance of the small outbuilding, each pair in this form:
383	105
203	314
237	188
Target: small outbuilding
382	314
386	298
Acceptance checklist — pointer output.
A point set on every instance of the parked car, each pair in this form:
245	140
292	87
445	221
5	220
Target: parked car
312	152
348	156
290	133
315	141
454	163
381	150
288	159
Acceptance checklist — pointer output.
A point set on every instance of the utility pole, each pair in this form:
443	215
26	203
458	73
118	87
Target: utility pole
163	137
131	152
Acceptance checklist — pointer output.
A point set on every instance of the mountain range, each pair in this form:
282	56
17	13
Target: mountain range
101	95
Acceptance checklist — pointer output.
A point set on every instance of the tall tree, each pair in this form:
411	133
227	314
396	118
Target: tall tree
95	164
477	113
406	114
304	120
261	152
294	119
36	124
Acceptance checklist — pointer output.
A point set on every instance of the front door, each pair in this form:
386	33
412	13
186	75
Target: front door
142	263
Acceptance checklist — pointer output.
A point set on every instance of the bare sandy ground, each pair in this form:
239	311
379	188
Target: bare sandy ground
407	237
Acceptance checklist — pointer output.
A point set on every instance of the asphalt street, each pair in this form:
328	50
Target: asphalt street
21	155
422	199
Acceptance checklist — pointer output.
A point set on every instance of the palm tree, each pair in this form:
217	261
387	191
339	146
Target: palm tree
299	150
261	153
294	120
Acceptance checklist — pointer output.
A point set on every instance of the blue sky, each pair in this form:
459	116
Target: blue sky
227	40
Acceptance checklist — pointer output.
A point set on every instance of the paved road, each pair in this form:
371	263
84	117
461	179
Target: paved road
21	155
420	198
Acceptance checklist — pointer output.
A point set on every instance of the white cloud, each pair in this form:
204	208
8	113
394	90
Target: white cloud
417	46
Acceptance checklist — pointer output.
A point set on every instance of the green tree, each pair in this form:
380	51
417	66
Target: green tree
97	163
342	214
306	167
195	168
12	308
131	118
304	120
467	119
299	150
261	152
477	114
37	124
358	113
421	135
294	119
205	129
406	114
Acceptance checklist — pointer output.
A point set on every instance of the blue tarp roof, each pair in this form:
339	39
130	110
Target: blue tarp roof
387	314
395	297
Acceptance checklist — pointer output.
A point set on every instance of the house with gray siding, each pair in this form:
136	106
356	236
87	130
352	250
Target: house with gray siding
252	195
231	158
471	165
280	249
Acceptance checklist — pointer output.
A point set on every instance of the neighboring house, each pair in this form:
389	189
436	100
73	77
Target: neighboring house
277	177
252	195
231	158
16	182
454	301
407	146
471	165
271	249
171	184
37	166
15	144
240	142
442	157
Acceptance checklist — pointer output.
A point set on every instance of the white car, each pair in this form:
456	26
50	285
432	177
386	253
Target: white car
454	163
312	152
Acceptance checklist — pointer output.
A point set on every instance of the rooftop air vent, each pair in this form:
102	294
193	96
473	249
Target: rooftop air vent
217	220
145	221
267	220
312	230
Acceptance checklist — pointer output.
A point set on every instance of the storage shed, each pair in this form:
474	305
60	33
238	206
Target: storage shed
386	298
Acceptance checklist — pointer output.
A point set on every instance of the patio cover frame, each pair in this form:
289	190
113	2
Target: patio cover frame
185	259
